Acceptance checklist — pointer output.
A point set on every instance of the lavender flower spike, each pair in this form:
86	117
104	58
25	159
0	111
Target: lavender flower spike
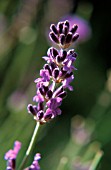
35	164
56	75
11	155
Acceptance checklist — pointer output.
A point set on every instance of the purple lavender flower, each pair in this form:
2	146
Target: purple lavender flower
39	97
67	64
11	155
56	75
45	78
35	164
53	109
67	81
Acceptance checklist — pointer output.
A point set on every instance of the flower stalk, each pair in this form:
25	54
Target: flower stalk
30	146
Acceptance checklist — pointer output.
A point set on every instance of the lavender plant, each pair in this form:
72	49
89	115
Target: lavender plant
55	79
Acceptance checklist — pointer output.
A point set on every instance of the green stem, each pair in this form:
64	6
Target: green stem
30	146
96	160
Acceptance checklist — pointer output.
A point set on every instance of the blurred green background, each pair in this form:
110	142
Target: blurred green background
78	138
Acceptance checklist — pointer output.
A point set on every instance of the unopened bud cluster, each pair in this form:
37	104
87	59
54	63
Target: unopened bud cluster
63	35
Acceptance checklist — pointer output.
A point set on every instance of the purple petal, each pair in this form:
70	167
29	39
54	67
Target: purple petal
38	97
67	81
45	75
58	111
48	114
54	103
46	59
